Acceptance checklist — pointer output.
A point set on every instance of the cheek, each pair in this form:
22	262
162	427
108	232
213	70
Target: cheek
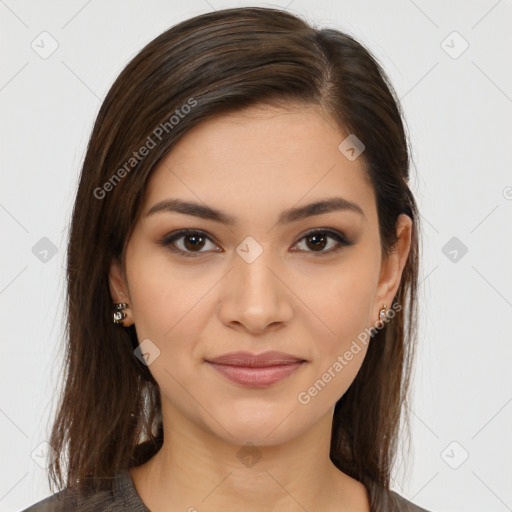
343	299
167	301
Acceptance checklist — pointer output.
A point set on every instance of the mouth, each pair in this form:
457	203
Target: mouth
256	370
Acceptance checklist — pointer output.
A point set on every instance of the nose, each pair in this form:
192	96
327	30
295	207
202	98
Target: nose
255	296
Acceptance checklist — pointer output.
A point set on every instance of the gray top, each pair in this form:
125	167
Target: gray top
123	497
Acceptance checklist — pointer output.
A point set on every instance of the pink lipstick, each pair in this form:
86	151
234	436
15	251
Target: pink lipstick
256	370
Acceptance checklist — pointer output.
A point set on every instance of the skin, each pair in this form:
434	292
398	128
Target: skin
254	164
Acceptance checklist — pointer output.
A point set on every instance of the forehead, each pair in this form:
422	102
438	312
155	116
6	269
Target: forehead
261	157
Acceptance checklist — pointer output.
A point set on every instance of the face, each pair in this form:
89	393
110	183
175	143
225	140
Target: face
261	273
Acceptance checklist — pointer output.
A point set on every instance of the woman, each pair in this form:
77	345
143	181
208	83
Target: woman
242	276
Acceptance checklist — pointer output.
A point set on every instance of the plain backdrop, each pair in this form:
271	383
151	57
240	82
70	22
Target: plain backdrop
450	65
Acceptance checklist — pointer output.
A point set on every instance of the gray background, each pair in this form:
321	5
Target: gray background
458	106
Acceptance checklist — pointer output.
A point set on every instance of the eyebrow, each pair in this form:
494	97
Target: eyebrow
286	217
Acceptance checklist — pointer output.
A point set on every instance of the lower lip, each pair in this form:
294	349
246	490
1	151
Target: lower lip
261	376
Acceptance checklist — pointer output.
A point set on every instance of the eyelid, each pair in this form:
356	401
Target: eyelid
329	231
341	239
168	240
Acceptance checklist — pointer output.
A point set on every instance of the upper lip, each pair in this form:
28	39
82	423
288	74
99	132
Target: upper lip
247	359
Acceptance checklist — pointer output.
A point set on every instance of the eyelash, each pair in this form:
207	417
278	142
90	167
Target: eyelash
169	239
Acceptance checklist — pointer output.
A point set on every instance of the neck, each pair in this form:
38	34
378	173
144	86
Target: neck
195	470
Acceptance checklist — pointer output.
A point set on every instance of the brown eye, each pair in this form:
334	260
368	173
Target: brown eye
324	241
193	242
316	242
188	242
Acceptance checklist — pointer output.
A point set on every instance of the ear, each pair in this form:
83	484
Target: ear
393	265
119	289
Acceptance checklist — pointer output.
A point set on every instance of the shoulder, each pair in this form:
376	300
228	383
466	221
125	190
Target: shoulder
397	503
120	496
385	500
60	501
69	500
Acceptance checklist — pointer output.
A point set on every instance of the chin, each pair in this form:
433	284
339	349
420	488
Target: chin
251	426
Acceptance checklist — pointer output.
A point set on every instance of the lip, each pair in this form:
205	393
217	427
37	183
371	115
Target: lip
256	370
271	358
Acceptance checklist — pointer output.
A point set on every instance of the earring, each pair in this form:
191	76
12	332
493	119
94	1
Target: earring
382	315
118	312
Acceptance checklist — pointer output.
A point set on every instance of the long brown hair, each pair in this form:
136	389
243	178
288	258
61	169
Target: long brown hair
109	415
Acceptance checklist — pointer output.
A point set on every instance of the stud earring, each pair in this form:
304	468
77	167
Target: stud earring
119	314
382	315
